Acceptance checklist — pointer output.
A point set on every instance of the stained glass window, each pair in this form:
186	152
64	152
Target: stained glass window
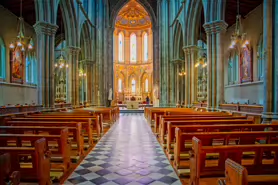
146	47
133	86
133	48
2	59
120	88
121	47
146	85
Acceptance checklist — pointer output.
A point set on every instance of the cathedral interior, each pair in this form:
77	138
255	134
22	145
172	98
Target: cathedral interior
106	62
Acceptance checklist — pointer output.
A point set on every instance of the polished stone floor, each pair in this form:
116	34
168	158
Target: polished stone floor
128	154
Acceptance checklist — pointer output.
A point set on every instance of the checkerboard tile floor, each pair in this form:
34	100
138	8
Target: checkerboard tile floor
128	154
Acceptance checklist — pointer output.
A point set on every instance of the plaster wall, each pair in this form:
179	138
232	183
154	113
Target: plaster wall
14	93
253	26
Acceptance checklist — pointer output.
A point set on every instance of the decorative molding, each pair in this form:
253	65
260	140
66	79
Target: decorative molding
244	84
18	85
45	28
215	26
72	50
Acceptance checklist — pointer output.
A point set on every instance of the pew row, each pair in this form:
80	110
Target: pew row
213	128
40	159
260	162
236	174
6	177
76	136
184	143
58	145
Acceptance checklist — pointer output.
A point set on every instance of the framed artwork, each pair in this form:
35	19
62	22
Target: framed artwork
17	61
246	65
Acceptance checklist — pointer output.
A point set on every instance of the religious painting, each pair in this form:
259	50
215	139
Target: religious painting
246	66
17	60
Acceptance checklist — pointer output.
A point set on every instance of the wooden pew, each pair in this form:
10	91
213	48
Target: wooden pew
161	118
213	128
56	130
96	119
202	122
86	123
236	174
57	124
5	171
183	141
40	169
62	151
257	164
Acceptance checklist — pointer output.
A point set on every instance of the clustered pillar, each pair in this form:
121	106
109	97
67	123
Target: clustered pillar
45	55
215	60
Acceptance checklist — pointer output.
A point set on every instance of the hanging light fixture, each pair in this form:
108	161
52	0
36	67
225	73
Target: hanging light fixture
19	41
182	73
61	63
238	38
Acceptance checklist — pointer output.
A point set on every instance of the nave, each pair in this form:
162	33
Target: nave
128	154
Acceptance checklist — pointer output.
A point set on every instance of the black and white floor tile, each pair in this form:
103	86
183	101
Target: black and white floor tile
128	154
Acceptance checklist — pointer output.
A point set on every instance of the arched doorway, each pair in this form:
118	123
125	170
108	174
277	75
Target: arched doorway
133	53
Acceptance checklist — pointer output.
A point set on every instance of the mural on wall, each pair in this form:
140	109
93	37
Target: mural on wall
17	58
246	66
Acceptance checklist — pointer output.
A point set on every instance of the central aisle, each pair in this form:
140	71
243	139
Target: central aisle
128	154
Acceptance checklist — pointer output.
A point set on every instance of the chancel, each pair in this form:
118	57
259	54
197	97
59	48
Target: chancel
138	92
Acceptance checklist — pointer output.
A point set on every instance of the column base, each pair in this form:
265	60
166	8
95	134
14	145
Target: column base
269	116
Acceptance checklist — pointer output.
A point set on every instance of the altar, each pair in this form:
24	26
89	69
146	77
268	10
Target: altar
132	105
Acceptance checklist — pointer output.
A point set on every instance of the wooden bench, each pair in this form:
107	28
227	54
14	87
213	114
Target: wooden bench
183	141
40	159
59	145
258	163
77	135
236	174
202	122
213	128
96	119
86	123
6	177
161	118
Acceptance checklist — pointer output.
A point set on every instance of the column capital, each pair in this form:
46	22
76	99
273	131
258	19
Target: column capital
186	50
45	28
177	61
87	62
215	26
72	50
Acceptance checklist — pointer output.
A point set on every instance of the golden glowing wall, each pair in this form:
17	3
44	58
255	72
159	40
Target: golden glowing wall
139	70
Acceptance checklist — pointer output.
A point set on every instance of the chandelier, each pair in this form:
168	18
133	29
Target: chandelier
201	61
61	63
238	38
20	37
82	74
182	73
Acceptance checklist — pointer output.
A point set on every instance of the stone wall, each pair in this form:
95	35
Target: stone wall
253	27
14	93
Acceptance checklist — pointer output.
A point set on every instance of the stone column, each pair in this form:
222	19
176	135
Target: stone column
186	77
172	84
127	48
139	57
215	60
73	77
178	77
270	68
89	72
45	57
193	80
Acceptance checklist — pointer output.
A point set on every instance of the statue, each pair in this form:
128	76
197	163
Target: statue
110	98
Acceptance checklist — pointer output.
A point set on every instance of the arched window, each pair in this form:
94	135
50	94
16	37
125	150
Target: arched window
133	52
145	45
31	69
121	47
230	71
233	69
260	59
120	87
146	85
133	86
2	59
236	69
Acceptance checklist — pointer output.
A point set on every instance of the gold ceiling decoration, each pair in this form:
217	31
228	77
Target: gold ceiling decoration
133	16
